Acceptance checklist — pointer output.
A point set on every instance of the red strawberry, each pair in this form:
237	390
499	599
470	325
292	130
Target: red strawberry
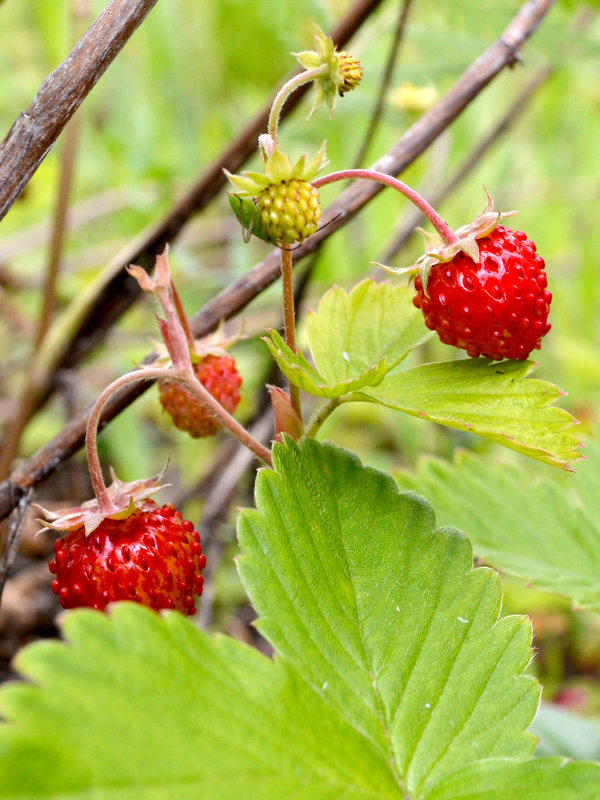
153	557
497	307
219	375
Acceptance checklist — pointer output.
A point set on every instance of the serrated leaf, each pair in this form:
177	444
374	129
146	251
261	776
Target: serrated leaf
352	331
301	373
544	779
370	596
139	706
355	339
495	400
384	615
531	528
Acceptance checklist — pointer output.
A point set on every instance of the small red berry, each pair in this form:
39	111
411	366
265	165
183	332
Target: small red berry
219	375
497	307
153	557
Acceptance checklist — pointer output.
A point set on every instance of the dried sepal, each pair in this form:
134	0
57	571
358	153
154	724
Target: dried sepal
125	498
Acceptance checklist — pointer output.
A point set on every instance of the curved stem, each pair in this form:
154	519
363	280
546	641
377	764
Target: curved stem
438	223
289	317
193	386
322	415
298	80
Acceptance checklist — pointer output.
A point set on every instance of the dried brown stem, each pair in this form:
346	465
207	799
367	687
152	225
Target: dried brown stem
501	54
60	95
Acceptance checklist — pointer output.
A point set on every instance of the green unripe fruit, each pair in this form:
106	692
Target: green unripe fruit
288	211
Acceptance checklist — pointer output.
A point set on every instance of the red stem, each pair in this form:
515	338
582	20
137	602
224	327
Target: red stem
438	223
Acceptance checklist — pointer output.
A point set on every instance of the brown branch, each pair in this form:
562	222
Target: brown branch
60	95
501	54
474	157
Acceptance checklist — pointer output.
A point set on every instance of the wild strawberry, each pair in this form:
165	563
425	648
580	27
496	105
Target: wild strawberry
496	307
350	72
218	374
286	204
289	211
152	556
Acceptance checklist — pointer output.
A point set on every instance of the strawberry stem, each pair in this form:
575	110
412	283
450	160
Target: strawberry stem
289	318
186	378
442	227
286	90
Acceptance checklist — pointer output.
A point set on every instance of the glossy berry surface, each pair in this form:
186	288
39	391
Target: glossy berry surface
289	211
497	307
152	557
218	374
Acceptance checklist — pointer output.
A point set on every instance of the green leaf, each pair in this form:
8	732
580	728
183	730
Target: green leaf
528	527
544	779
354	338
301	373
396	679
139	706
495	400
384	615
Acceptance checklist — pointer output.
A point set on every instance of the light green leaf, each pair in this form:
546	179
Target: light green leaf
301	373
528	527
385	616
544	779
495	400
354	338
142	707
351	332
564	733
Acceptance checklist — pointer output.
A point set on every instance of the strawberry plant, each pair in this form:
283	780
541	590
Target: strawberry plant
396	673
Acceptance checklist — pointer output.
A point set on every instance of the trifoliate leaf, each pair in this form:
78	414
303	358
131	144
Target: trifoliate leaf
534	528
494	400
355	338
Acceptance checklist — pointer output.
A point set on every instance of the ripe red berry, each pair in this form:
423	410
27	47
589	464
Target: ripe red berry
218	374
497	307
153	557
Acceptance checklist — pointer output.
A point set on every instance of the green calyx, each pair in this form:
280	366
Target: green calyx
343	72
281	184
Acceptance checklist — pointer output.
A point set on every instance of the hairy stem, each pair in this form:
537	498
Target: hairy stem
322	414
442	227
289	317
188	380
286	90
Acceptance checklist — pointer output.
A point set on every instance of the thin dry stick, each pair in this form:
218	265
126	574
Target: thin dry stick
386	81
26	403
501	54
119	292
60	95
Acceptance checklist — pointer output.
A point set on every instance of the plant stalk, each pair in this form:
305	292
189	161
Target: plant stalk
286	90
441	226
289	317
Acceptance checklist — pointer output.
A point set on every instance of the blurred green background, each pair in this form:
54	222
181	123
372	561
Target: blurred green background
182	88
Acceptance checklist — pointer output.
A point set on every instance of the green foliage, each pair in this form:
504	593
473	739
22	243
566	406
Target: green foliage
494	400
395	676
355	338
530	527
